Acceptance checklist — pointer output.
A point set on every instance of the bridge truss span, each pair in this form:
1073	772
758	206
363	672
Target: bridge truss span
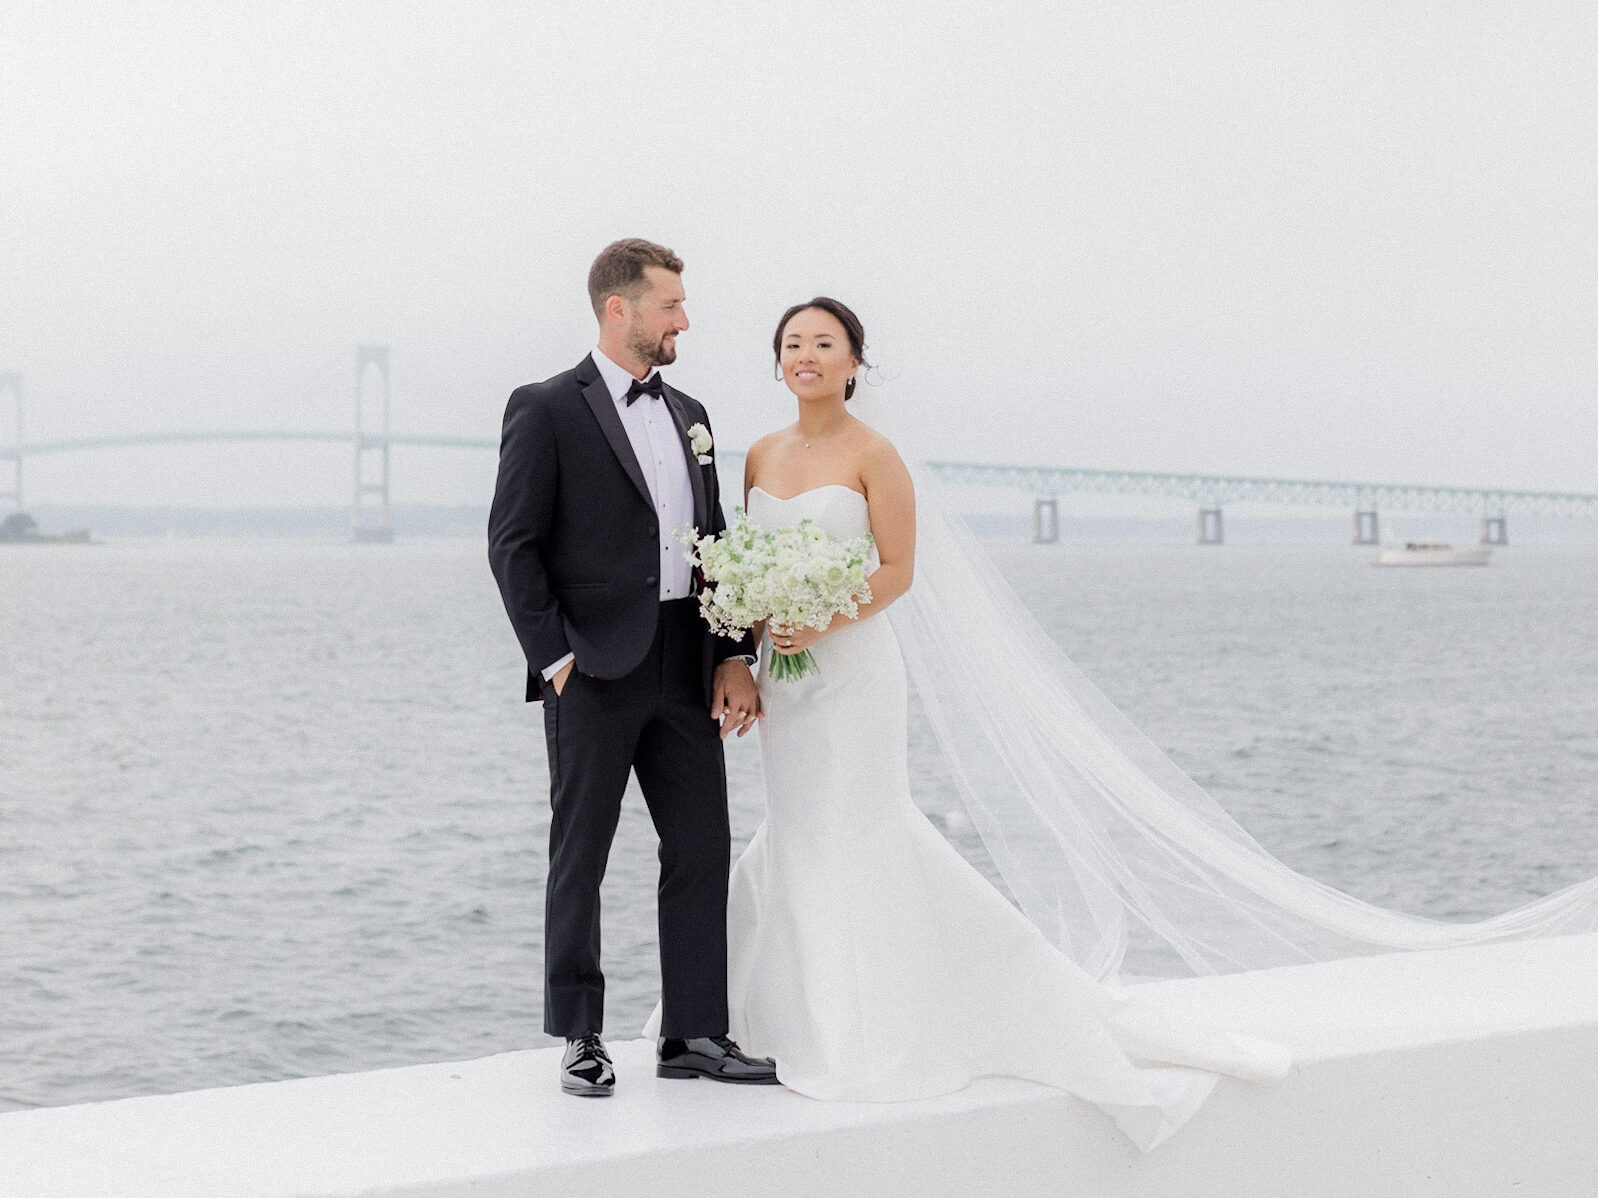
1211	492
1045	481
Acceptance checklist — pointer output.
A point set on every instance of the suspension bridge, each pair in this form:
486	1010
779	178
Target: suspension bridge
370	440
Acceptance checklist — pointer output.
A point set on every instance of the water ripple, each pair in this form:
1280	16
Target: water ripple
273	809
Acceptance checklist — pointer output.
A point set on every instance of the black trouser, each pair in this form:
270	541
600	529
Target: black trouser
655	722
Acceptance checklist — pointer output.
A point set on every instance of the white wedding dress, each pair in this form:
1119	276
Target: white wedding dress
875	964
872	961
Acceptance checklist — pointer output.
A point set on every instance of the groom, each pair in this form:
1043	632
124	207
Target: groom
598	472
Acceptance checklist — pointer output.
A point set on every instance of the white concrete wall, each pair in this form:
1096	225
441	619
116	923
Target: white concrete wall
1452	1075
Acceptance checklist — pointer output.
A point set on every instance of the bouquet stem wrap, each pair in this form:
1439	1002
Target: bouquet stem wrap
785	667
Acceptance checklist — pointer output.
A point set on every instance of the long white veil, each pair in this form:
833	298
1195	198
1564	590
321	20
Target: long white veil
1118	857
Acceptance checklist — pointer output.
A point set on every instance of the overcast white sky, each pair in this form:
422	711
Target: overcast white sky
1326	239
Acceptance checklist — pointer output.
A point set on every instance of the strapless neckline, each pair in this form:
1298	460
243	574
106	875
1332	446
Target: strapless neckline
844	519
808	491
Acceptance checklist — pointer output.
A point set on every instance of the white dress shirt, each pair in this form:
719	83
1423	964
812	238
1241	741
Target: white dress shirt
657	444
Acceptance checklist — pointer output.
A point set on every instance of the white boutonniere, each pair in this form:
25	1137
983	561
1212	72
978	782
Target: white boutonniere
699	440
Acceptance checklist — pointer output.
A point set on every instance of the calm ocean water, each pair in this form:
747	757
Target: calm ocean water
274	808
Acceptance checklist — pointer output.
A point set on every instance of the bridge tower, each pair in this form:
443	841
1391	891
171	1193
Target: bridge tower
12	383
371	451
1045	521
1367	524
1495	520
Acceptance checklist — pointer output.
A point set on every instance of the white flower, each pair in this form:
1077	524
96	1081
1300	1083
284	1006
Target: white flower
699	438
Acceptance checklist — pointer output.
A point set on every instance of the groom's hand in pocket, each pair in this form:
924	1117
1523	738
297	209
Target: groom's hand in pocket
558	678
734	699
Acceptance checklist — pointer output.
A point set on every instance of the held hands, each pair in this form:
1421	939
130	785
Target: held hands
733	696
734	700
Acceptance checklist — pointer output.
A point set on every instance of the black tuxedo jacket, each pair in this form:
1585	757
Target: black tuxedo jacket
573	537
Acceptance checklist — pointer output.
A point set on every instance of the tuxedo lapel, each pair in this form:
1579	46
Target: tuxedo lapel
603	407
696	475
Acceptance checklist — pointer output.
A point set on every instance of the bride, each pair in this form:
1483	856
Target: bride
864	953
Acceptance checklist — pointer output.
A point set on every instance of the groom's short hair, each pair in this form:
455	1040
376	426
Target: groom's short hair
619	269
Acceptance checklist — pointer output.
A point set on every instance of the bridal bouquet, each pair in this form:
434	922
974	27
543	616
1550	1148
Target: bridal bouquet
794	577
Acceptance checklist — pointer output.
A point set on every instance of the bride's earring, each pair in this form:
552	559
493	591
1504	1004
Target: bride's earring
848	389
778	372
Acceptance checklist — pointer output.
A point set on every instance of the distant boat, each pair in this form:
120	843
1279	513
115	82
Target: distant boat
1433	553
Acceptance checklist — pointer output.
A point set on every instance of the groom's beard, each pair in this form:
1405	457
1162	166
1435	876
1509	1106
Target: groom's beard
657	353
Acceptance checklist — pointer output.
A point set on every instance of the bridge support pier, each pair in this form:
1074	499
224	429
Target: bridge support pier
1494	530
373	453
13	383
1210	531
1045	521
1367	528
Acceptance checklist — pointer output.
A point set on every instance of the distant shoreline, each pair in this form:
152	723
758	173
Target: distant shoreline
111	522
20	528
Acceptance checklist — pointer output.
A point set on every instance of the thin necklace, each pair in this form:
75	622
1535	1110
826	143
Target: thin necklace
807	443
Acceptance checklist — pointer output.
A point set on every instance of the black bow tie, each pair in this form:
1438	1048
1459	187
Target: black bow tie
650	386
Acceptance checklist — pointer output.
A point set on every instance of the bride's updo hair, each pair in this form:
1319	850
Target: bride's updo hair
852	328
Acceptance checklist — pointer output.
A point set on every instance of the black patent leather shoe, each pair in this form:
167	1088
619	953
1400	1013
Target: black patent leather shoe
586	1069
715	1057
